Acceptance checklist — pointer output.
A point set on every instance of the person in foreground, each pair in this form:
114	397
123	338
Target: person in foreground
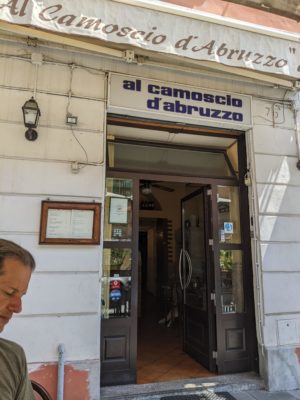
16	266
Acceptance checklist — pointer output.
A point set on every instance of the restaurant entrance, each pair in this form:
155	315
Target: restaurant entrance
177	247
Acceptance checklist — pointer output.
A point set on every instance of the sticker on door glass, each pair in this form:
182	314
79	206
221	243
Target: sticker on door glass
222	235
228	227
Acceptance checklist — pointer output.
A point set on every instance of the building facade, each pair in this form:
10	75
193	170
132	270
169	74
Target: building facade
133	104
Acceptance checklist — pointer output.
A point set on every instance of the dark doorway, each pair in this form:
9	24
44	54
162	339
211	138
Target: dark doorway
143	258
166	331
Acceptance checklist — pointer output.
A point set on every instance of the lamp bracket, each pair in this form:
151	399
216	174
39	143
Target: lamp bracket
31	134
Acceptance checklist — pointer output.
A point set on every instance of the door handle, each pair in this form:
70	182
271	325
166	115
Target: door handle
190	269
184	285
179	269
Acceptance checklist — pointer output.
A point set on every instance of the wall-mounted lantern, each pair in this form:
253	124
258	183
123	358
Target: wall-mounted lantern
31	115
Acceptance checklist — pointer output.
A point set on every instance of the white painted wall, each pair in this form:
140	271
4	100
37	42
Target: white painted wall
274	157
278	189
63	302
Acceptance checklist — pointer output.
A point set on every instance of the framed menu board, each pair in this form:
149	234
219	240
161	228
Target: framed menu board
65	222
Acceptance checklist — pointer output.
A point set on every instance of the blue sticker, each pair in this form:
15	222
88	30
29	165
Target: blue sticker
228	227
115	295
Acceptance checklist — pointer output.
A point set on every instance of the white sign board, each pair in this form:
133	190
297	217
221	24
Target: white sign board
74	224
173	102
158	31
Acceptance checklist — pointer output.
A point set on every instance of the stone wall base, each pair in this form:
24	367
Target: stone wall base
282	368
82	379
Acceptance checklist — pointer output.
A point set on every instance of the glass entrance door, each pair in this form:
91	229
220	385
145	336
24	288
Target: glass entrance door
119	288
194	273
233	301
217	316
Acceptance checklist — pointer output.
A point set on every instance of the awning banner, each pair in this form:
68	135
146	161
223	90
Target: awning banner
158	31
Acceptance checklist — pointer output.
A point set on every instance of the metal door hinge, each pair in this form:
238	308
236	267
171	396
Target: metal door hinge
211	242
213	298
215	355
209	192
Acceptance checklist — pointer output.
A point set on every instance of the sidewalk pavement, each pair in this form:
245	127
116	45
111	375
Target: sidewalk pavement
245	395
264	395
243	386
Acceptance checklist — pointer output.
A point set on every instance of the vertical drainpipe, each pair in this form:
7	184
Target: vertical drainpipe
296	109
61	372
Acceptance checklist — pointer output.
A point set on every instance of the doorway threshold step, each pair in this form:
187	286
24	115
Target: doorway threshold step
202	396
196	386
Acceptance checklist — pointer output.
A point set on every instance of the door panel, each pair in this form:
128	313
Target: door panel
117	364
233	353
232	315
119	283
198	340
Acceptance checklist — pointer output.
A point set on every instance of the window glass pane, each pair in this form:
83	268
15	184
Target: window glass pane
170	160
232	289
118	209
194	251
232	153
116	283
229	214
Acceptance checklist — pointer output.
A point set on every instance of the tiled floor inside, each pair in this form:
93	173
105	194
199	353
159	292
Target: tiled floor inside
160	354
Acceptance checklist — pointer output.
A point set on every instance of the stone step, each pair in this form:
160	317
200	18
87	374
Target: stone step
154	391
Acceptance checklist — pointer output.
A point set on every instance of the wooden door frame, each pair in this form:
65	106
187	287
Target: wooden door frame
245	246
244	213
213	182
